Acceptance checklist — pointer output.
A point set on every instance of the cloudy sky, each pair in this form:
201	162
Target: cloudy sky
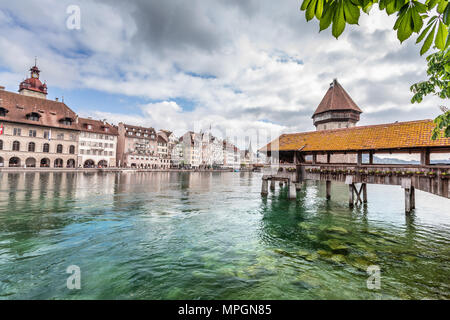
241	66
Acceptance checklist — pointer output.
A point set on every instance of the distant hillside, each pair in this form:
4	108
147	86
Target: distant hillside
399	161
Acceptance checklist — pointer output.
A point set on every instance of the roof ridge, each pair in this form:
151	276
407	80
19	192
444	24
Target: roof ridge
358	127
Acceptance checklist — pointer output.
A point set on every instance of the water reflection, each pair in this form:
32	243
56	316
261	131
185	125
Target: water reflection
211	235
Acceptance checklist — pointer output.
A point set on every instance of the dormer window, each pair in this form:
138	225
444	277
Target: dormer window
106	129
3	112
89	126
66	121
33	116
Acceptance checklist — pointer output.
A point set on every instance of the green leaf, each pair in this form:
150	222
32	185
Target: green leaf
405	28
367	7
428	41
423	34
431	20
319	9
421	8
310	10
441	36
441	6
446	15
431	3
447	43
305	5
417	20
338	21
327	17
351	13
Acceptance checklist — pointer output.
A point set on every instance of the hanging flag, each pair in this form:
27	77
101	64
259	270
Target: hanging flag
50	135
1	129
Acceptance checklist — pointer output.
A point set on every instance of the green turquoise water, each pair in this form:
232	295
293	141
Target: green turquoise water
212	236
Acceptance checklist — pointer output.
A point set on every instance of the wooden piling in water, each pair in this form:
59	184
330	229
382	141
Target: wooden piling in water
292	190
272	185
351	195
364	190
328	189
264	187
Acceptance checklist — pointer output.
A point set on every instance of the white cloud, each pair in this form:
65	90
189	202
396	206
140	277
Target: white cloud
246	65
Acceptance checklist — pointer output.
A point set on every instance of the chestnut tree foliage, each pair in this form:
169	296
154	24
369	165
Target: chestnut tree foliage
429	20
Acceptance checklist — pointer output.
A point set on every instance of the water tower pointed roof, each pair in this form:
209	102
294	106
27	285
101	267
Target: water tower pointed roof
336	98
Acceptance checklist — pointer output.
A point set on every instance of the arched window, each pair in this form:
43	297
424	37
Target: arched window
31	147
59	148
46	148
58	163
72	149
1	144
16	146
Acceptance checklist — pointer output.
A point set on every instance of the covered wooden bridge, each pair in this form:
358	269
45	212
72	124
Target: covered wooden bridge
337	155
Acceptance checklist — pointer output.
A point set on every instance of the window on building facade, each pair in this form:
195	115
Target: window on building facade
46	133
60	136
59	148
88	151
32	133
82	151
46	148
17	131
72	149
1	144
110	153
31	147
16	146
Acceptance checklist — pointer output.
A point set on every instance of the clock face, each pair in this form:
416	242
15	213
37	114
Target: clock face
34	75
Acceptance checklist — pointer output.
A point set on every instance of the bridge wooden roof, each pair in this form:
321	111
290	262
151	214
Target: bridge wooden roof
399	135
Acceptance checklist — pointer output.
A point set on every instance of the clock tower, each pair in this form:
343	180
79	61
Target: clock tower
33	86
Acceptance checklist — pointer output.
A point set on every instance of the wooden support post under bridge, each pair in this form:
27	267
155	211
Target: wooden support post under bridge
272	185
410	195
292	192
354	191
328	189
264	187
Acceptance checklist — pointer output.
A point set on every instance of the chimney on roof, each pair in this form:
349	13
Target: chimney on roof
56	99
2	88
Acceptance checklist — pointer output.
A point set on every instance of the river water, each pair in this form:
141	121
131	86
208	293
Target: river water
212	236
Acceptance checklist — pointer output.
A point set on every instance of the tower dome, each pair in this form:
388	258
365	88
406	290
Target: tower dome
33	86
336	110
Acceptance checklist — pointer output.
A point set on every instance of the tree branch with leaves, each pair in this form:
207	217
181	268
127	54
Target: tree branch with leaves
429	20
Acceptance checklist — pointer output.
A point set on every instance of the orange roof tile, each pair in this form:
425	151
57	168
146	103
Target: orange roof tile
399	135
